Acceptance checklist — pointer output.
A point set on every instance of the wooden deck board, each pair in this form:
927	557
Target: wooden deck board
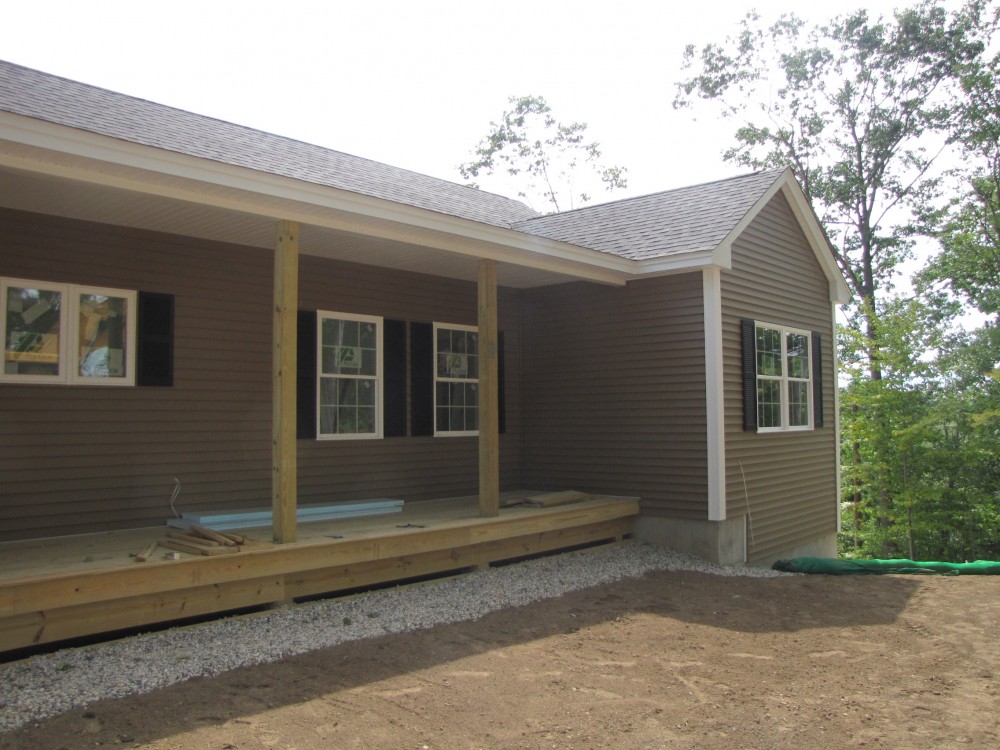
65	587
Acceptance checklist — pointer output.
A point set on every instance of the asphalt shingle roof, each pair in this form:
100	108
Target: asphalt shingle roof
684	220
673	222
31	93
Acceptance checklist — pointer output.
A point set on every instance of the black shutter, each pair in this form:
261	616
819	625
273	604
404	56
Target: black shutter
748	336
817	373
154	354
305	380
421	379
394	390
500	385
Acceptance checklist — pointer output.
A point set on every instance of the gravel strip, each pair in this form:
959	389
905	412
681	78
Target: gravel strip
50	684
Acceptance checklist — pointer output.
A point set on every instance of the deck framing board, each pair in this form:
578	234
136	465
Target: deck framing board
52	607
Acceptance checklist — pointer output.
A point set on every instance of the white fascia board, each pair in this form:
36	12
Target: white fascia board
512	246
714	393
723	253
676	264
806	217
840	293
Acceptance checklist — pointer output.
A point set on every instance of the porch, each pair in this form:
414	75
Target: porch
66	587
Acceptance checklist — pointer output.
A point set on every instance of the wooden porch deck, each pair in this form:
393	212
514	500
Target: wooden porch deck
65	587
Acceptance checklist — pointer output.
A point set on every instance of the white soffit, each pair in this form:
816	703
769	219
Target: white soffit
242	208
70	199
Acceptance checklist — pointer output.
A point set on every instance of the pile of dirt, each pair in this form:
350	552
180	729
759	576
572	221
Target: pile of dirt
672	660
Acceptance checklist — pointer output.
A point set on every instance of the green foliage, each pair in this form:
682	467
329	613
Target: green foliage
923	479
550	157
969	265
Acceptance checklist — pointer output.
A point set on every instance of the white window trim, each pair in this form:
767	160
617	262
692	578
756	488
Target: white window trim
379	378
437	379
69	329
785	379
73	339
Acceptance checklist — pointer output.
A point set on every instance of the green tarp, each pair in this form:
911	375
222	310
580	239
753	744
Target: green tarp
838	567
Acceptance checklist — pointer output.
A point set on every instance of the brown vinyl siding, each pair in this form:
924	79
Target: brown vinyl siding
411	468
76	458
790	477
614	391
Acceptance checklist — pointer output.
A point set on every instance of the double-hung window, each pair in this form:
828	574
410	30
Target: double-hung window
784	378
66	333
349	382
456	380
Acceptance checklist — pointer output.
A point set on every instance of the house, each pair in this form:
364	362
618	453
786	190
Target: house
255	317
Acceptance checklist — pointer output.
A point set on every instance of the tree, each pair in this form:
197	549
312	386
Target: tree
969	263
852	109
530	144
958	488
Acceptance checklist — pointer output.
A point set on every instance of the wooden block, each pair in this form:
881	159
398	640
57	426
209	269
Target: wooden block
146	552
509	502
194	549
550	499
207	533
197	541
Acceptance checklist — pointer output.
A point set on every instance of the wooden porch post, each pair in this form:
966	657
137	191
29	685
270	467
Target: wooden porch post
489	410
283	429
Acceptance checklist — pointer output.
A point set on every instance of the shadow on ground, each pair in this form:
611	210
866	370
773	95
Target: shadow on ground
741	605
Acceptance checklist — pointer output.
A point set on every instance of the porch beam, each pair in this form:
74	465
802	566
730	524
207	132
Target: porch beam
489	408
284	499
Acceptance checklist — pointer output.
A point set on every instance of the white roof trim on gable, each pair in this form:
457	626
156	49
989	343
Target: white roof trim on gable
840	293
789	186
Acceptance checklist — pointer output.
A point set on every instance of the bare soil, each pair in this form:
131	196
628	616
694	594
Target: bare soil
674	660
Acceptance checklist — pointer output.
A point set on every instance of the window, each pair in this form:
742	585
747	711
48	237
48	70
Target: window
103	319
349	382
64	333
456	380
784	378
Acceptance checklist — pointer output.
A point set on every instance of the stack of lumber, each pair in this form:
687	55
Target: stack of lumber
196	540
242	519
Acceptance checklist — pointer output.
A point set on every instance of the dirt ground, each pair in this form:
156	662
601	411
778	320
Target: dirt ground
674	660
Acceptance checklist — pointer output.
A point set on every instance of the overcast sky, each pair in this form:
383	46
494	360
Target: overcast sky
410	83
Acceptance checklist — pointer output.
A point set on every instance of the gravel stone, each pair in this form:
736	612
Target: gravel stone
49	684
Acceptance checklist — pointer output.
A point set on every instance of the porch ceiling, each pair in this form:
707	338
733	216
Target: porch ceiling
78	188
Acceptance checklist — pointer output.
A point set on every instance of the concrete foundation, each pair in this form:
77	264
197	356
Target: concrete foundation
721	542
724	542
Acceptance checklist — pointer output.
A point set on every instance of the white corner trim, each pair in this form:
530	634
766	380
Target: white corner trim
714	406
836	412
